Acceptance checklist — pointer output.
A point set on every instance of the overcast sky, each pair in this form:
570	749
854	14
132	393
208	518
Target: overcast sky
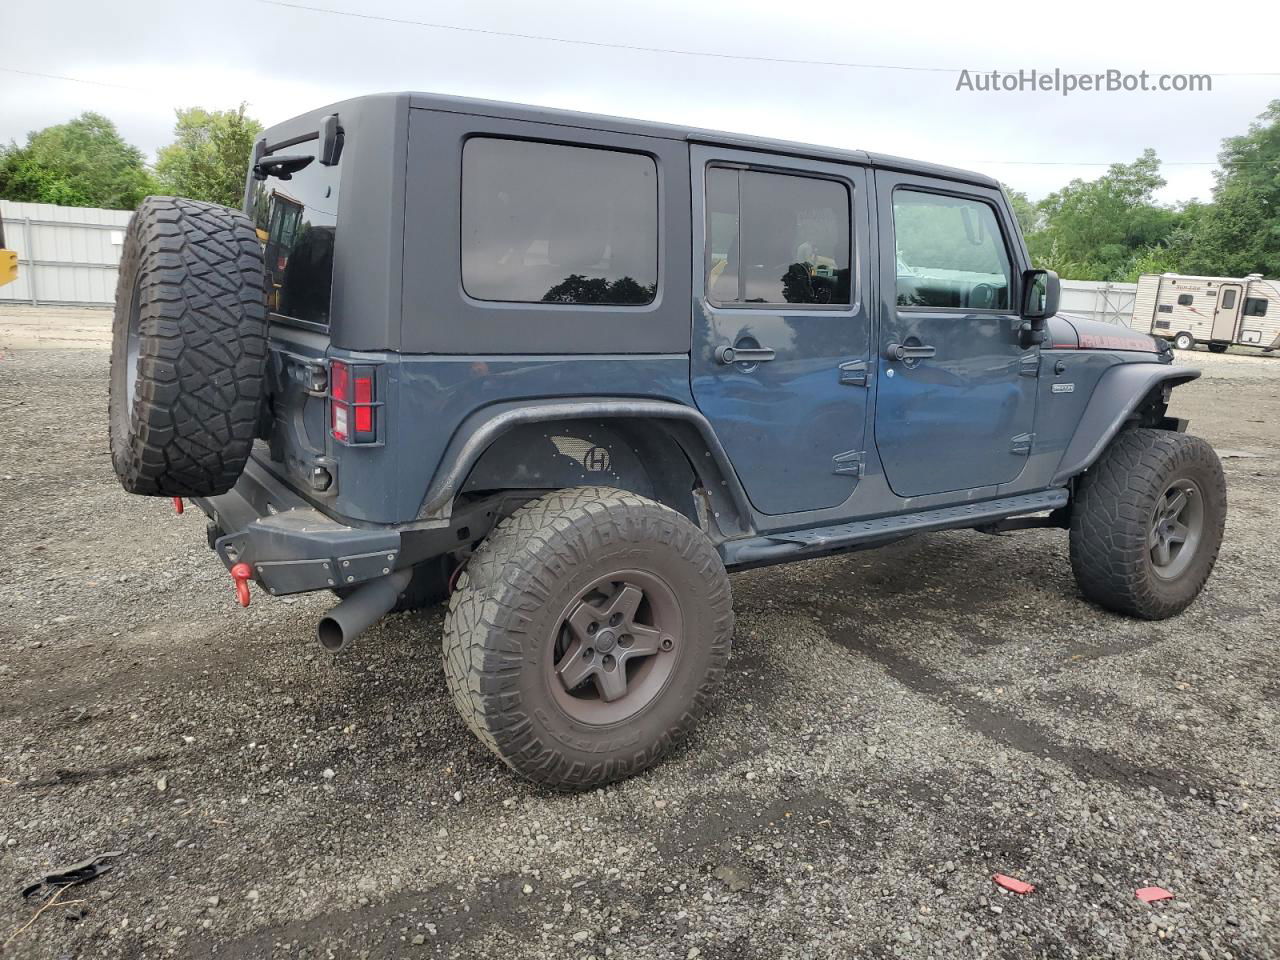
154	56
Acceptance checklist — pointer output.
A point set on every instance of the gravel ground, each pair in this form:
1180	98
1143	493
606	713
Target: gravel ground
896	727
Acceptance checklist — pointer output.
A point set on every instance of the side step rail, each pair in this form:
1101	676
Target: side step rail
777	547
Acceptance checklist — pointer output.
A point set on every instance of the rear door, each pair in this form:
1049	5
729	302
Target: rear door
955	400
781	327
297	225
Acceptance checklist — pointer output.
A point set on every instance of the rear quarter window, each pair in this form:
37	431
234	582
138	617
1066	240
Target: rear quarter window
550	223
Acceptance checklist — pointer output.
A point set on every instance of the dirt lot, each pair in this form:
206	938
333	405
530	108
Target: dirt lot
896	727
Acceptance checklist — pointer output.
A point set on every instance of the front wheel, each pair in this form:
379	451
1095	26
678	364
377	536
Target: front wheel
587	635
1184	341
1147	523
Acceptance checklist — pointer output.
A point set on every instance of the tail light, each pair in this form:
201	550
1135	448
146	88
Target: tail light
352	402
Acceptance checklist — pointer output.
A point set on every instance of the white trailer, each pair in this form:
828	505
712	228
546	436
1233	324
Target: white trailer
1217	311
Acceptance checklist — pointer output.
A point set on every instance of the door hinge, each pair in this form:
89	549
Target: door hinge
853	373
1029	365
1022	443
852	463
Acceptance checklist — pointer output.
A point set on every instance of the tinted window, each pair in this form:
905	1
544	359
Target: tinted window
1165	308
297	223
1255	307
776	238
951	252
548	223
1228	298
1185	299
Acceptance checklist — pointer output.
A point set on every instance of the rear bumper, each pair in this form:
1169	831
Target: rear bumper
290	546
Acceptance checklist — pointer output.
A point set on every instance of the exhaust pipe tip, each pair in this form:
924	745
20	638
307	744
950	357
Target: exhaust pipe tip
367	604
331	636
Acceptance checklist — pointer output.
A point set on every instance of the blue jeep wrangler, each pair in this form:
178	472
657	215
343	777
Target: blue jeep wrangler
568	370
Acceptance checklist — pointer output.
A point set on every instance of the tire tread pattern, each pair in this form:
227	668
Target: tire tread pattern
1110	522
505	584
196	270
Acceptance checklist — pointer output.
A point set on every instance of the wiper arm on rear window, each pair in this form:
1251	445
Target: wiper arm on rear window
282	167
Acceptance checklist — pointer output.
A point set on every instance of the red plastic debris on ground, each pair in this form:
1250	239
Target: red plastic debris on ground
1152	894
177	504
1012	884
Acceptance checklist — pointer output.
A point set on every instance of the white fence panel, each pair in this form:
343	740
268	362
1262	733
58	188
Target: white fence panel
66	255
1099	300
70	255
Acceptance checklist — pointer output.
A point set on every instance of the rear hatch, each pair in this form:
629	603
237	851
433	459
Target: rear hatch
295	212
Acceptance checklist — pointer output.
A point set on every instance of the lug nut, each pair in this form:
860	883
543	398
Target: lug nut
609	661
615	619
625	640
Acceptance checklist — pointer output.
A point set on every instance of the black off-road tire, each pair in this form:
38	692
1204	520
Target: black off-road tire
189	348
428	587
1112	516
505	613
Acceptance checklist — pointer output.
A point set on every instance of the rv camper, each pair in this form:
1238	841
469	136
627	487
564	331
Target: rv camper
1216	311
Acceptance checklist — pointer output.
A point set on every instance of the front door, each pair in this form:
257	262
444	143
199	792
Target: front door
1226	312
781	326
955	401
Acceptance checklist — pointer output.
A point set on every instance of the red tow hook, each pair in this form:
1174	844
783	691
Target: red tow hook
177	505
241	573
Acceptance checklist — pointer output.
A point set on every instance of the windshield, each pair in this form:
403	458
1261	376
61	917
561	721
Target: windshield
297	223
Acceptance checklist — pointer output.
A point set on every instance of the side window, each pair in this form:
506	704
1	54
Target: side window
950	253
1255	306
1229	298
1185	299
776	238
1165	308
543	222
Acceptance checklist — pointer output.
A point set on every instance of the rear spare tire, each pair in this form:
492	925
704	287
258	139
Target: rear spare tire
188	349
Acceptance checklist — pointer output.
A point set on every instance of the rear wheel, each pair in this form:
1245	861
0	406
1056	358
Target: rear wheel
1184	341
1218	347
1147	523
587	635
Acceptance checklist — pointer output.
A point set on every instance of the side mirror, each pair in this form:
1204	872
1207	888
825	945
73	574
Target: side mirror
1040	294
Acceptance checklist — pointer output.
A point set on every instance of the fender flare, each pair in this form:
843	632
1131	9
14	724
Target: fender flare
1118	393
729	506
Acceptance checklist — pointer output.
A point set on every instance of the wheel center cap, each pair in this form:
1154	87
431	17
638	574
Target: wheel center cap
605	641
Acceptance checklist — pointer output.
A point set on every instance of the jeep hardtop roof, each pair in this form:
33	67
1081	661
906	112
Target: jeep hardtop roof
572	118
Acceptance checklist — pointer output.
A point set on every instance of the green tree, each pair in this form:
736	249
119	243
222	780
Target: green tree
1028	214
209	156
1239	233
1092	229
81	163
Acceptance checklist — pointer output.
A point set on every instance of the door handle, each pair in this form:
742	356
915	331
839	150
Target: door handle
728	354
908	351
